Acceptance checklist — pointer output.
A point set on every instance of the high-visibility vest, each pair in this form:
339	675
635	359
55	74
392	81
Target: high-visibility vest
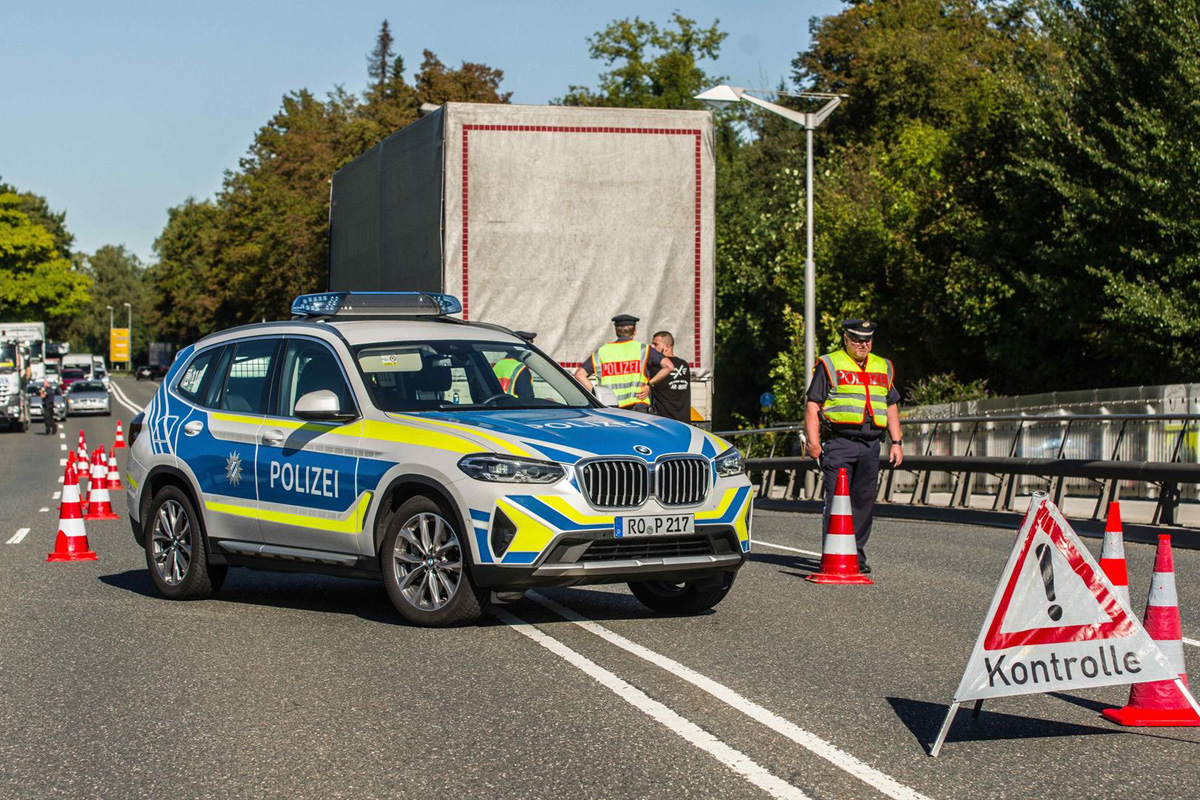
621	366
507	371
850	385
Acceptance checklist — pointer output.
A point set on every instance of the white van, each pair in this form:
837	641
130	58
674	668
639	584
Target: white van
81	361
100	370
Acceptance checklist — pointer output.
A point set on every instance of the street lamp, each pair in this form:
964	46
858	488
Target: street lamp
110	317
129	333
724	96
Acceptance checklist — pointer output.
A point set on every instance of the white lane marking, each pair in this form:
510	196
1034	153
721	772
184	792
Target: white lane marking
123	399
18	536
785	547
62	462
1192	642
58	495
43	510
62	447
815	744
60	478
692	733
62	436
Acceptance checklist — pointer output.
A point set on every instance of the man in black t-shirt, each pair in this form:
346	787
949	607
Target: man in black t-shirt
673	397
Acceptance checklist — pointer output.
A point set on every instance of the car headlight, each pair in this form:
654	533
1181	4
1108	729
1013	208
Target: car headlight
509	469
729	463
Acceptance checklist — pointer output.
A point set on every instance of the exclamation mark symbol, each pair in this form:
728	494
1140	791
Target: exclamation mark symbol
1043	553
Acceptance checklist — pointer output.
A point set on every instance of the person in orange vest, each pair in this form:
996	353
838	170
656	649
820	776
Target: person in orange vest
626	366
852	398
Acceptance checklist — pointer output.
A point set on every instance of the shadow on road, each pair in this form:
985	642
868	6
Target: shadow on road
805	563
924	719
292	590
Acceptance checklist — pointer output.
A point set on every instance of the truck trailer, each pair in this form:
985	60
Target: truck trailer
542	218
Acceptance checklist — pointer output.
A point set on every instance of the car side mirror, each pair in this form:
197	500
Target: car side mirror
607	396
321	405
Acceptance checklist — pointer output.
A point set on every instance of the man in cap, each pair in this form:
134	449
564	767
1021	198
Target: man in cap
515	377
626	366
852	397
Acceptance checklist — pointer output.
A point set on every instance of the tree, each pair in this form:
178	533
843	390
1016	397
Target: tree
181	295
36	281
38	210
379	62
651	68
116	276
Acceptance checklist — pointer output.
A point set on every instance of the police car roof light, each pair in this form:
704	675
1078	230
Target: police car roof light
375	304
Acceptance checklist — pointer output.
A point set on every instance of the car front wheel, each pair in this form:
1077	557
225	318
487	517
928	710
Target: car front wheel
425	567
683	597
175	553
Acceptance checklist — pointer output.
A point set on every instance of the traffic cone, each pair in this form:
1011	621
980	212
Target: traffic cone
114	472
81	449
99	501
71	544
81	458
839	554
120	442
1112	554
1160	703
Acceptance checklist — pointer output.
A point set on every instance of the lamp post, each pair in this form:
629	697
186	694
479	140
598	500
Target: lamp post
129	333
723	96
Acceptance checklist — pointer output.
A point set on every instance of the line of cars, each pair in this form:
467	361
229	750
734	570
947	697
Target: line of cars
80	396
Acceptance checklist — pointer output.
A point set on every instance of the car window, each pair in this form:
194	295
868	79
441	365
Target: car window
193	377
247	385
79	387
310	366
464	375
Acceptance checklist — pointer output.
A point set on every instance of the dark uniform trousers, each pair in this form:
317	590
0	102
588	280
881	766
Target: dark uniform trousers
861	462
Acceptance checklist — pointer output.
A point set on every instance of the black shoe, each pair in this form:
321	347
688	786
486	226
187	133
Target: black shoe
864	568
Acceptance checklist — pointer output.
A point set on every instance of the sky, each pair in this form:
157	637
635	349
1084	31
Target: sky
117	111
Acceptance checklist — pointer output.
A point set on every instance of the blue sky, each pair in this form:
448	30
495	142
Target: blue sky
117	111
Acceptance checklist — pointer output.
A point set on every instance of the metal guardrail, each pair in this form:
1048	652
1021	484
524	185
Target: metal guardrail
1167	477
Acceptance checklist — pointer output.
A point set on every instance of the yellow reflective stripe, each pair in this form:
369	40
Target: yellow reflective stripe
223	417
720	510
561	505
129	479
719	444
411	434
532	536
351	522
503	444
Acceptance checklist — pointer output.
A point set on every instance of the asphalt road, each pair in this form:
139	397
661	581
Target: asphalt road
306	686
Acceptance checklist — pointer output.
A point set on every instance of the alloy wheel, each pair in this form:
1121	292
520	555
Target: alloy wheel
172	541
428	562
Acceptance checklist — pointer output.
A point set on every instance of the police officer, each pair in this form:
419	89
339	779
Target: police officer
515	377
626	366
47	400
852	398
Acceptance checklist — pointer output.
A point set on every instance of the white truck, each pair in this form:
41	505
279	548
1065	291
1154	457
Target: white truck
33	336
542	218
15	376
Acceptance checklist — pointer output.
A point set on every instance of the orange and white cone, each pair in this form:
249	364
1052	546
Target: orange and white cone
81	458
120	441
99	501
71	544
114	472
1160	703
839	553
1112	554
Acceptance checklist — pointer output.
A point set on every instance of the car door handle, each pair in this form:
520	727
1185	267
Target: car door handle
272	438
193	427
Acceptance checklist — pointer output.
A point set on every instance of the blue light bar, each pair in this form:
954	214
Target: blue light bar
376	304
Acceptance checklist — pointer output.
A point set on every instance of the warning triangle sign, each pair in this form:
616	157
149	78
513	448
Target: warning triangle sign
1055	621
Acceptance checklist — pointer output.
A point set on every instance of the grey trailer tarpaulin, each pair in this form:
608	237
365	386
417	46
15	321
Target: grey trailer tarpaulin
548	219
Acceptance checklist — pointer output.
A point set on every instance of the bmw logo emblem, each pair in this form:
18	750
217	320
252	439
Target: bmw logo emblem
641	448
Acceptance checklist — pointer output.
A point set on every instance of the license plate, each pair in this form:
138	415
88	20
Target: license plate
660	525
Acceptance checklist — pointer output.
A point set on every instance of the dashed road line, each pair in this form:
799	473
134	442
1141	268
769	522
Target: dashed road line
62	447
810	741
62	462
1192	642
58	495
18	536
785	547
43	510
692	733
62	436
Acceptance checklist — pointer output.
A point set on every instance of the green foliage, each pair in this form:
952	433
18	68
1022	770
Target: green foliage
945	388
651	67
116	276
36	281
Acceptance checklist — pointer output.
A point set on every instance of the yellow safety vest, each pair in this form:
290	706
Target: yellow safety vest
507	371
621	366
851	385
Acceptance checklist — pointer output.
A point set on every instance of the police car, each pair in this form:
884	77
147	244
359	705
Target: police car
371	437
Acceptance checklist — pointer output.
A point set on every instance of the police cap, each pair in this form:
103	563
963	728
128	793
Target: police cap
625	319
861	329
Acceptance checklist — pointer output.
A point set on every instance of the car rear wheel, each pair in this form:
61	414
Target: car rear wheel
683	597
175	553
425	569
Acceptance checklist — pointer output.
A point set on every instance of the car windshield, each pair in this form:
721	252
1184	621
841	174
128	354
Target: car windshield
79	387
8	357
464	375
74	374
36	388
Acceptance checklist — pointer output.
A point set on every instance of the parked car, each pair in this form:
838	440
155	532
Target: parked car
88	397
70	375
144	373
35	402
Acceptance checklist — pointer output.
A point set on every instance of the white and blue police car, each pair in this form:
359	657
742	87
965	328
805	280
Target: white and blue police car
372	436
